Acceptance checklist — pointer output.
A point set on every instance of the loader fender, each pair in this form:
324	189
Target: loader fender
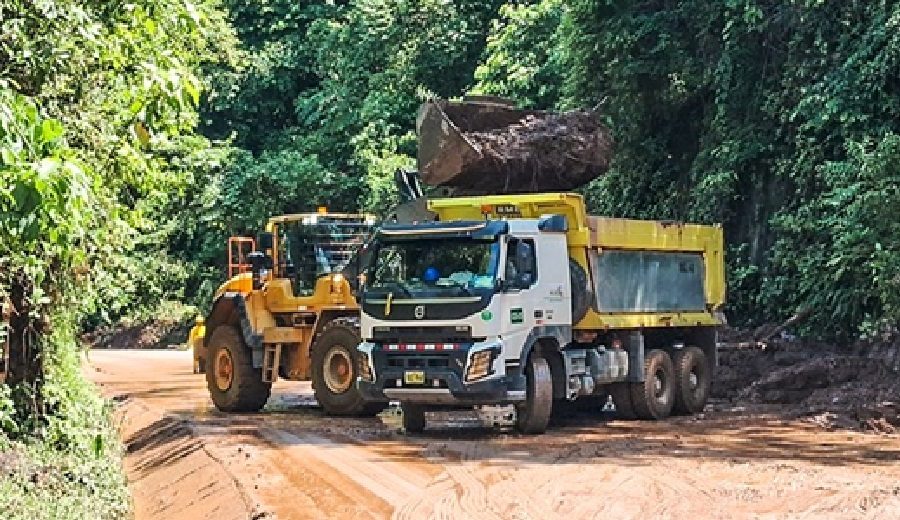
232	309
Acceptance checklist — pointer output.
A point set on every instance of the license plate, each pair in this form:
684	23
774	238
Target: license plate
414	377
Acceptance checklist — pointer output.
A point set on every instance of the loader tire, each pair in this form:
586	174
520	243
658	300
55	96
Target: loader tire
533	415
654	398
621	395
693	378
334	370
413	417
234	385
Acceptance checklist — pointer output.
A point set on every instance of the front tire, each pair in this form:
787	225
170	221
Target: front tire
533	415
234	385
334	371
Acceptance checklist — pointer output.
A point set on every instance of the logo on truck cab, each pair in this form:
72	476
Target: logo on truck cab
419	312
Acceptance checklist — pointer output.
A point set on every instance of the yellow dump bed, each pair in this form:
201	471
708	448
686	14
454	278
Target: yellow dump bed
612	249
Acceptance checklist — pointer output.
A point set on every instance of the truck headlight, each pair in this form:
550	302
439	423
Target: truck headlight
481	364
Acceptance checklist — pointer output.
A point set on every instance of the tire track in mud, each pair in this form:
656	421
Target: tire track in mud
300	465
333	461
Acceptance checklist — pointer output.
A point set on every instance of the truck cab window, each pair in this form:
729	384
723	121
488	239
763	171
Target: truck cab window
521	264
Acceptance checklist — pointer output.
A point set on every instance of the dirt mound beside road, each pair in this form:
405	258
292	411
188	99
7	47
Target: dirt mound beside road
151	334
837	387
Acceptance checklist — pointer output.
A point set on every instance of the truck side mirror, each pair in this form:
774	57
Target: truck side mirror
265	240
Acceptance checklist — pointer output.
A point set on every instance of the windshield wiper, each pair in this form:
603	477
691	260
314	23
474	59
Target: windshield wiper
402	286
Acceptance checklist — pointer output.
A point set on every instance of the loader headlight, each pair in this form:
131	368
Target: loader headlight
336	281
481	364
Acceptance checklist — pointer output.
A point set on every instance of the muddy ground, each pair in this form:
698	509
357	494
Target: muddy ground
755	452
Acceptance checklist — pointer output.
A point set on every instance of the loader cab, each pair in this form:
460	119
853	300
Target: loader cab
311	245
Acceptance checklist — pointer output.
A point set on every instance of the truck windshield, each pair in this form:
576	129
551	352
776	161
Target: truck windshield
434	268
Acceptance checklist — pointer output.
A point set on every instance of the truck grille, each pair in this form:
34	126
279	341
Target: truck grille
418	362
422	334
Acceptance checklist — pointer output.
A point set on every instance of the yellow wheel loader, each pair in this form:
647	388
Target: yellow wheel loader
287	310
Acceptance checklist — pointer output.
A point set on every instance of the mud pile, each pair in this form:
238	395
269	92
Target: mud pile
150	334
850	387
487	146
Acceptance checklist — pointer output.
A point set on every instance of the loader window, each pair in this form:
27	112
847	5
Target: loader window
318	245
434	268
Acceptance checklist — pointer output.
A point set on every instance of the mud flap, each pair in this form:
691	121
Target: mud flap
635	358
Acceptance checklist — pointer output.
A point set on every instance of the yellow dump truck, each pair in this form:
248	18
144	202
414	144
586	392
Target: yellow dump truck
526	300
287	310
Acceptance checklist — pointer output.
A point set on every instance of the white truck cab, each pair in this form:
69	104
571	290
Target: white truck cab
501	311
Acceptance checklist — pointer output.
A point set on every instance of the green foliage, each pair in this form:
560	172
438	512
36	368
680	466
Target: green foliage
849	237
7	415
47	199
73	470
324	96
90	96
522	58
747	113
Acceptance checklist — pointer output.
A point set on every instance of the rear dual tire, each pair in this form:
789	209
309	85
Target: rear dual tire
693	378
654	397
677	384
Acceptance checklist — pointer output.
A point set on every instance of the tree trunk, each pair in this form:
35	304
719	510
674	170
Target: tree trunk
24	369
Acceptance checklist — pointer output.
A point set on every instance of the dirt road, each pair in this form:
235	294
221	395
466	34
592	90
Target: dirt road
292	462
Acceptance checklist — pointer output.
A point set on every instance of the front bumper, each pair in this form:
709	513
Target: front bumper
443	378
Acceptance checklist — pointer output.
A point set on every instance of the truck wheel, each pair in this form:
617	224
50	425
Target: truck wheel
621	395
334	365
234	385
692	380
533	415
413	418
654	398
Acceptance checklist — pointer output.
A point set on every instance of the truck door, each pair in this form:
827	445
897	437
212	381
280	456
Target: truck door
536	288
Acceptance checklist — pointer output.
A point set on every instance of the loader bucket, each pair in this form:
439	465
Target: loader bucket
485	145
